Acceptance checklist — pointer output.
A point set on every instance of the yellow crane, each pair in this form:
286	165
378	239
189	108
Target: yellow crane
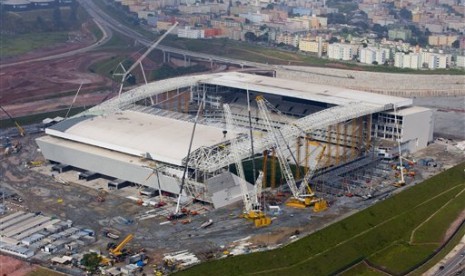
117	251
309	198
21	130
300	197
252	207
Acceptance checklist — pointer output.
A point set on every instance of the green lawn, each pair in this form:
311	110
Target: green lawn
402	256
108	66
257	53
377	233
362	270
23	43
36	118
44	272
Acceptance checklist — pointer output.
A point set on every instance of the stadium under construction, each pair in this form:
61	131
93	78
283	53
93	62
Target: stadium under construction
146	135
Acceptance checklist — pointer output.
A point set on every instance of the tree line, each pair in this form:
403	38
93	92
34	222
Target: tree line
37	21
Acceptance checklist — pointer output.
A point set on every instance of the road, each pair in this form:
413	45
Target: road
106	23
114	24
455	265
107	34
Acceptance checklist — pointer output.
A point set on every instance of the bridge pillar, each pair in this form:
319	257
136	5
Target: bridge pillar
187	61
164	56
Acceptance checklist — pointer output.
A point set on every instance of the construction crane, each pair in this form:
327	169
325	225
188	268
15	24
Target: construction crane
319	204
401	182
126	73
299	199
117	251
252	210
21	130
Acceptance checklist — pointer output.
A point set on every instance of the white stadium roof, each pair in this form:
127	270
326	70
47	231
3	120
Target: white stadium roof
283	87
160	138
164	139
303	90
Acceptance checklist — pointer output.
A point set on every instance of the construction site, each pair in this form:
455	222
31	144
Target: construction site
188	169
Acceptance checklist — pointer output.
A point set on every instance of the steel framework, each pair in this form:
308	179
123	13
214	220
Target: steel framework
211	159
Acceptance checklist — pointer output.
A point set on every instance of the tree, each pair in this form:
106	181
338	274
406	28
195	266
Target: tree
91	261
249	36
333	40
377	28
40	24
456	44
73	12
405	14
57	21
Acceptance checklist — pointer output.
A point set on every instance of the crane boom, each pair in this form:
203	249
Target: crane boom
251	203
144	55
277	143
237	160
311	172
21	130
117	250
300	199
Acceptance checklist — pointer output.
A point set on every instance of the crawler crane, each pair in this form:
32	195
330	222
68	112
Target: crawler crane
252	208
21	130
319	204
300	197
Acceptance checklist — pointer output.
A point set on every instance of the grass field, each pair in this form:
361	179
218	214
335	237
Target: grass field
44	272
23	43
380	234
257	53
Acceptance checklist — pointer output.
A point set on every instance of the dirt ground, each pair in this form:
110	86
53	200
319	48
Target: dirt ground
48	85
27	83
14	267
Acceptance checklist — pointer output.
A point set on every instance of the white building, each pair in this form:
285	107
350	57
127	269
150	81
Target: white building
460	61
410	121
403	60
341	51
437	61
370	54
188	32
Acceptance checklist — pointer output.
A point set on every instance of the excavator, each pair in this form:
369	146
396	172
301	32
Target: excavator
252	208
303	197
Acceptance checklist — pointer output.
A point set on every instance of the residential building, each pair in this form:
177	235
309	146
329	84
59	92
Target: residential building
460	61
189	32
412	60
441	40
341	51
371	55
313	45
288	39
403	34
